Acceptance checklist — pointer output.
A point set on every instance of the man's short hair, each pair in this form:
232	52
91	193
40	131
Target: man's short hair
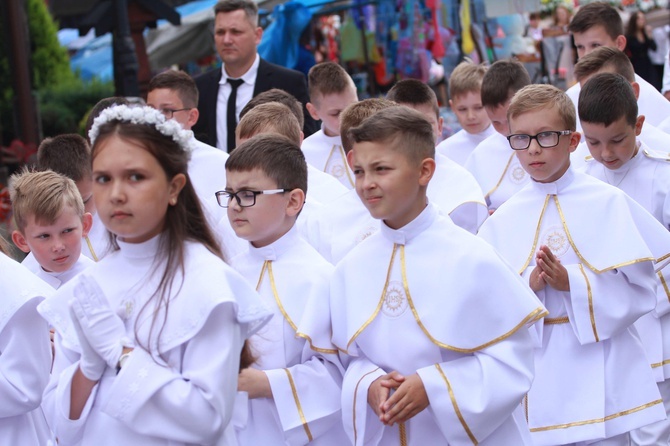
249	7
413	92
276	95
466	78
601	58
179	82
272	117
43	195
99	107
605	98
356	113
501	81
542	96
597	13
400	128
67	154
327	78
276	156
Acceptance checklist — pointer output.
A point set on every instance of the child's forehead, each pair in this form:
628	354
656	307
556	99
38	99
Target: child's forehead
338	98
248	176
469	97
546	116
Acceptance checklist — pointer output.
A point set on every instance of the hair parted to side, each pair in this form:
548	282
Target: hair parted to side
99	107
185	221
402	128
272	117
249	7
466	78
67	154
43	195
413	92
603	58
542	96
594	14
179	82
501	81
276	156
607	97
277	95
356	113
327	78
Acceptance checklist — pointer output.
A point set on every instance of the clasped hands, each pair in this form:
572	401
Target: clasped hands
101	332
408	399
549	271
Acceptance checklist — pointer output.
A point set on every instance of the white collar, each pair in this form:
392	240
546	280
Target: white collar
144	250
557	186
413	228
249	77
275	249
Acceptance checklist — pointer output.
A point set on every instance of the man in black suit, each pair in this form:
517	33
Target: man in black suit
236	36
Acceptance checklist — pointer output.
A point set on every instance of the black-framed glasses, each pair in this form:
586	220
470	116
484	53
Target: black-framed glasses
168	112
546	140
244	198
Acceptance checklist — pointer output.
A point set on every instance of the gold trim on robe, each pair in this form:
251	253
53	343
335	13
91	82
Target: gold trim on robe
344	158
90	247
355	395
455	404
664	283
495	188
298	405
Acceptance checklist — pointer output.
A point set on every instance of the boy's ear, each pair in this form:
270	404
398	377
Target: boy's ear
350	159
620	42
86	223
193	115
575	137
302	137
313	112
636	89
296	200
20	241
427	169
638	125
451	104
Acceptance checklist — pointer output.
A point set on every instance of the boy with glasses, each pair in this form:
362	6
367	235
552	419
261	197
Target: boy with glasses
278	398
588	252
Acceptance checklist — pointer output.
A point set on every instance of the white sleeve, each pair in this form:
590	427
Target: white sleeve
193	405
25	361
666	75
602	305
470	215
472	396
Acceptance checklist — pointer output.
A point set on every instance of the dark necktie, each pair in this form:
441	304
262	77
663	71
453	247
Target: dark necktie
231	119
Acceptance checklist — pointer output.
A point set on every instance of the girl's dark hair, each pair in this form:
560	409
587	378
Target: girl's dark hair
631	27
183	222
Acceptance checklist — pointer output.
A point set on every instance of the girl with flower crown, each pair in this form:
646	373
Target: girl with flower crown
149	339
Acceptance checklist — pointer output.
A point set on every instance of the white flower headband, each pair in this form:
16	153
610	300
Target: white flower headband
137	114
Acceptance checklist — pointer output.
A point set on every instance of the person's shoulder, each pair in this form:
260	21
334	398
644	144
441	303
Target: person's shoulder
266	66
207	77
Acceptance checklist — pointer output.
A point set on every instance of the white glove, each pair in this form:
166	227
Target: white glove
102	328
90	363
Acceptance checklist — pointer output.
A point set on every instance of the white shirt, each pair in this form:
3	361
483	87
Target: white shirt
460	145
244	94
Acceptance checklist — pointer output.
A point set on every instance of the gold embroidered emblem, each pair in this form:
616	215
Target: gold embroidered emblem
554	237
367	232
517	174
395	301
337	171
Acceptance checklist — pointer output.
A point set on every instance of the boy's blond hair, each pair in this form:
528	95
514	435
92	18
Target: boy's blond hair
541	96
402	129
356	113
466	78
601	58
327	78
43	195
271	117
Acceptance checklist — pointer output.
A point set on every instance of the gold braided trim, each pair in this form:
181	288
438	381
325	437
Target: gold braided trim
344	158
455	404
488	194
299	406
403	434
597	420
537	236
665	284
90	247
355	395
590	297
525	406
556	320
660	364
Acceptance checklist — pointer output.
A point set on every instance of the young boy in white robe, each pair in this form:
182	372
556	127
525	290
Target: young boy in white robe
611	126
465	91
331	90
441	358
25	355
588	252
599	24
498	171
291	395
611	60
50	224
453	189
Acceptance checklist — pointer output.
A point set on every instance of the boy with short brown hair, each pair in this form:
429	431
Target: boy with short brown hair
593	383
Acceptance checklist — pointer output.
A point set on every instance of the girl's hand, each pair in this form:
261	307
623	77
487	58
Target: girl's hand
255	382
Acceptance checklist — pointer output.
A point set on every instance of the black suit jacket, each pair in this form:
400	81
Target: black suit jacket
269	76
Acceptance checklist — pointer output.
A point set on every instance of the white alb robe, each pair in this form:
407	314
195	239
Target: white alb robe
207	169
460	145
592	377
327	155
96	245
56	279
497	170
450	310
25	356
303	369
183	397
664	125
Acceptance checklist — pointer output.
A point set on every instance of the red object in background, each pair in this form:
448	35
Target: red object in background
436	47
17	152
5	204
